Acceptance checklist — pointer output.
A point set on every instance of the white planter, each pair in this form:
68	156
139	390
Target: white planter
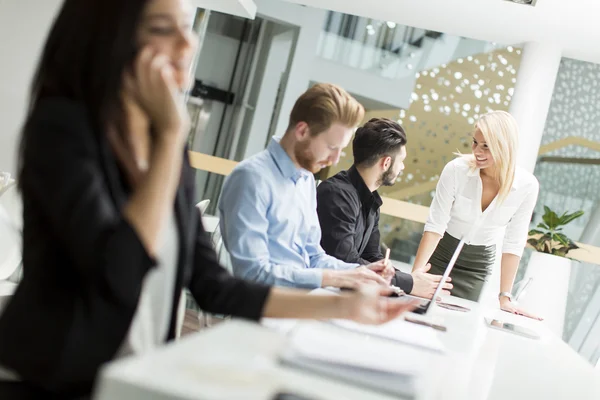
547	294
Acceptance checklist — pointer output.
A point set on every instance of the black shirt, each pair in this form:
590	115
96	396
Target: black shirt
349	218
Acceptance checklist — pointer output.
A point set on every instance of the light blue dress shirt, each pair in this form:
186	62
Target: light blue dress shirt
269	222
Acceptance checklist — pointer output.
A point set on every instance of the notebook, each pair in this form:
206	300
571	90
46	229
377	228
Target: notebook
352	357
400	331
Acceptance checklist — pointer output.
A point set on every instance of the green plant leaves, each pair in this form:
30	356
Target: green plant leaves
559	237
550	218
566	218
553	241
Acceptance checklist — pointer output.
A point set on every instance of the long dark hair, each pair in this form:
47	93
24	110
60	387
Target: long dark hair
90	45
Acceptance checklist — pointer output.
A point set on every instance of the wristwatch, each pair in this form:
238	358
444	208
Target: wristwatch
505	294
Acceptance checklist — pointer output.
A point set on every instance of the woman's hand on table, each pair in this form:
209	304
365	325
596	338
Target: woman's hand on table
508	306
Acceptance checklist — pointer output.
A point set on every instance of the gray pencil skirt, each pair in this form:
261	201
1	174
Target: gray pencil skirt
471	270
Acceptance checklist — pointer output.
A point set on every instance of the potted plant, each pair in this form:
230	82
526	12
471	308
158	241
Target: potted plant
548	237
550	269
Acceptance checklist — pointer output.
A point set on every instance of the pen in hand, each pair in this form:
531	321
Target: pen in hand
386	260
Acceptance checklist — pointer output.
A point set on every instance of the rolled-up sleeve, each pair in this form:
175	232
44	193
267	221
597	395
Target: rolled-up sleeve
439	212
244	225
515	236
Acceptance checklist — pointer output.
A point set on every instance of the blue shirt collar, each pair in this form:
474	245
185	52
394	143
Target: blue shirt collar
283	161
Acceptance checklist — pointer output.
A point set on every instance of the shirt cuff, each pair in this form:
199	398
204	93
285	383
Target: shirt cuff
344	266
311	279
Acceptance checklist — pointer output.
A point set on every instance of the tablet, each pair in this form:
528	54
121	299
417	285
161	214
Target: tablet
511	328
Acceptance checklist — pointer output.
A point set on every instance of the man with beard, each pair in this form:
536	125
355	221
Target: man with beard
268	216
348	203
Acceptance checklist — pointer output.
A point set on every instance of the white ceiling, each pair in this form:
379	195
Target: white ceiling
572	25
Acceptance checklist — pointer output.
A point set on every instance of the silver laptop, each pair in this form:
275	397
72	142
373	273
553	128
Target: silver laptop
425	305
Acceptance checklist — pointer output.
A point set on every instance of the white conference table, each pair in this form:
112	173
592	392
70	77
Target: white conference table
238	360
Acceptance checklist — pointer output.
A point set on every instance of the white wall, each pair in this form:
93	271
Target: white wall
24	25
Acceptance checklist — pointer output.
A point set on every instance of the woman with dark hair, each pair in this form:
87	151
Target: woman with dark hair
111	234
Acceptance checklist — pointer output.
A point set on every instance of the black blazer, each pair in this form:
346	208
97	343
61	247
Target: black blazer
84	263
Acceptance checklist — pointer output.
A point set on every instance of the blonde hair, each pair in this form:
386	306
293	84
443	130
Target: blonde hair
323	105
501	134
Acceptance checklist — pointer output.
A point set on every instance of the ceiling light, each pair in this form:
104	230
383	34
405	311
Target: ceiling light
391	24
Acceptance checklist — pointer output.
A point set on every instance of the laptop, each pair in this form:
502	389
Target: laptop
425	304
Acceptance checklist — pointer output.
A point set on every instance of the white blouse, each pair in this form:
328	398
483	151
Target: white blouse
456	207
152	318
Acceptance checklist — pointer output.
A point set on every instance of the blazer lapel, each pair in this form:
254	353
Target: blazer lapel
185	221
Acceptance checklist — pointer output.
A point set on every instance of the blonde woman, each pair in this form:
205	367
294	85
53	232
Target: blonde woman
481	194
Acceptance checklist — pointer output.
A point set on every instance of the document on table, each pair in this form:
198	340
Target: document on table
339	353
400	331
